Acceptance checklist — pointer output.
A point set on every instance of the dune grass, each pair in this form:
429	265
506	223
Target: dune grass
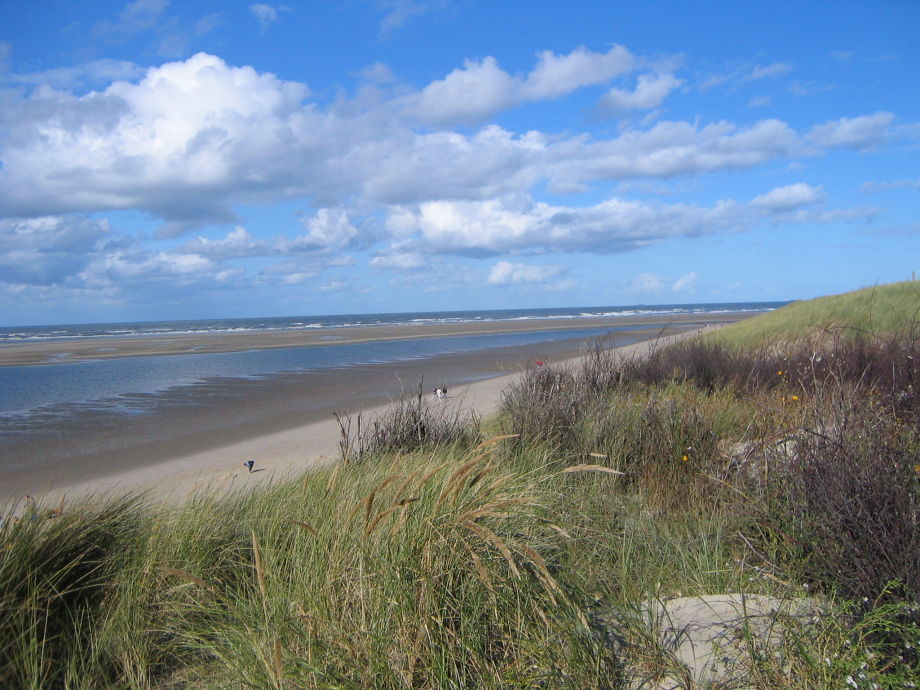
513	551
870	312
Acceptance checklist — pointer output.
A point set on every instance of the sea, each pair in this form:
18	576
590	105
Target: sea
41	398
12	334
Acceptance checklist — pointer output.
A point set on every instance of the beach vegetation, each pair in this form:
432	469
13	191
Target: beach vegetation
541	547
865	313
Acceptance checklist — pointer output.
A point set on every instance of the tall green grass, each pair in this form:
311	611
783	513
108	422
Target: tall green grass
869	312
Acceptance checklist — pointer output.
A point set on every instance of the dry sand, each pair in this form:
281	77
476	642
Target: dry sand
277	453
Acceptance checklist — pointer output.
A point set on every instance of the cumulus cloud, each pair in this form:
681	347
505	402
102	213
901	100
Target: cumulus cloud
670	149
860	133
133	267
789	197
650	92
237	243
329	228
49	250
556	75
506	273
522	225
177	143
518	224
467	95
191	139
481	88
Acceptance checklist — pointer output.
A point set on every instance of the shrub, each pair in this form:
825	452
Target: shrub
410	423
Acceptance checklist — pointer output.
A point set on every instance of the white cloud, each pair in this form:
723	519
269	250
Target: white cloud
208	23
49	250
236	244
772	70
670	149
266	15
79	76
401	261
481	89
131	268
467	95
399	12
297	278
177	143
860	133
746	73
649	282
378	72
329	228
872	186
650	92
506	273
136	17
556	75
519	224
193	139
685	283
789	197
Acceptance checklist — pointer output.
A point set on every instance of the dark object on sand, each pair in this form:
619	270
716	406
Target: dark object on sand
441	391
249	464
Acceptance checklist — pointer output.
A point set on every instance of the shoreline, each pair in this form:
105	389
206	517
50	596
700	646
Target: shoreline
285	424
69	350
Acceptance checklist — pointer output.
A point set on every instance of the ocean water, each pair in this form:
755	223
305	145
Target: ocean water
43	395
11	334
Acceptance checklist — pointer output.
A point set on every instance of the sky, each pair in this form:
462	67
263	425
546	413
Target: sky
214	159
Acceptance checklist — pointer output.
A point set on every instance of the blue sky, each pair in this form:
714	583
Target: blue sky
201	159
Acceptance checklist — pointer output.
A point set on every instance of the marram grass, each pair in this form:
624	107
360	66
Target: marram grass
872	311
515	562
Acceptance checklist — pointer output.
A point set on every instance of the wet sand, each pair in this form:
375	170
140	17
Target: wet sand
200	435
62	351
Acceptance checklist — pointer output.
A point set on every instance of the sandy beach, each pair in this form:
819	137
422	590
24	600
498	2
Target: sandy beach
64	351
285	424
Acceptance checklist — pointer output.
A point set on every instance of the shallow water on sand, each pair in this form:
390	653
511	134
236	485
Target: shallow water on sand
131	385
